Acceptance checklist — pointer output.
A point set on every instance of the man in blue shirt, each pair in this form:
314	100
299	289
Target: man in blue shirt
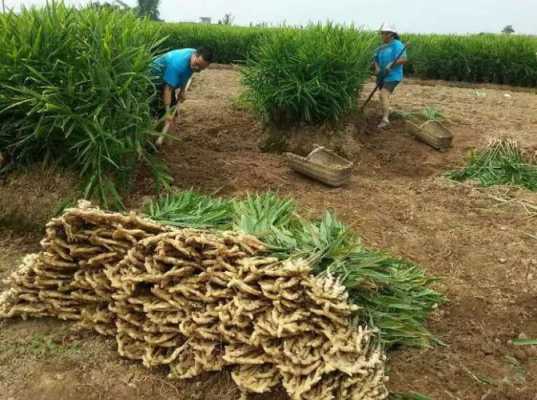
174	69
388	68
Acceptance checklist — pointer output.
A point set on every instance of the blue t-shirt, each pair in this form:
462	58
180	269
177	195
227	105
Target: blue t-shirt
386	54
174	67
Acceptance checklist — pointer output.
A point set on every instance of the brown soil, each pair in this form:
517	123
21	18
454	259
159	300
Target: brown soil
29	197
480	242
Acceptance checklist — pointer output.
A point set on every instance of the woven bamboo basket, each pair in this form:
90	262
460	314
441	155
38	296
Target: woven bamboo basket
323	165
431	132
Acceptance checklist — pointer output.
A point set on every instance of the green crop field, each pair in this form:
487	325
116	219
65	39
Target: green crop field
229	265
489	58
76	86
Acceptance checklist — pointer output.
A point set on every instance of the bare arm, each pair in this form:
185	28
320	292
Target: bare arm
167	94
401	61
181	94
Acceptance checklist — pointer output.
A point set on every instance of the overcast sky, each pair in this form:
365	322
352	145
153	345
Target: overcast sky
441	16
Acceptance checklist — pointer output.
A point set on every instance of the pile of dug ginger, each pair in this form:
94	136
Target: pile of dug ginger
199	301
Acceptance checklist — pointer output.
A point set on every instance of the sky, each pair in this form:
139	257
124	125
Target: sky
418	16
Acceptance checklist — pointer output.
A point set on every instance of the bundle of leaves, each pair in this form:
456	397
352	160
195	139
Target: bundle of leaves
427	114
307	75
394	295
76	88
502	162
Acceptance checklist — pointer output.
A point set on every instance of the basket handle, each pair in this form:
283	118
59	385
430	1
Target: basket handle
315	150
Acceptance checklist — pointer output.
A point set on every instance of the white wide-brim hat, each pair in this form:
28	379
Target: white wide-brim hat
388	28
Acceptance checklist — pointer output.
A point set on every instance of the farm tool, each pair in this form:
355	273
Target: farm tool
167	124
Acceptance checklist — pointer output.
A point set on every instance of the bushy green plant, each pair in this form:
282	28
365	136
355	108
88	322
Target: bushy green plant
310	75
76	88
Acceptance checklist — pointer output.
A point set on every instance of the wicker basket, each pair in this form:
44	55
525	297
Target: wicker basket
323	165
431	132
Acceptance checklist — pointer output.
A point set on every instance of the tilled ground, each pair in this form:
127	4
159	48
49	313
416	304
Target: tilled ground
480	242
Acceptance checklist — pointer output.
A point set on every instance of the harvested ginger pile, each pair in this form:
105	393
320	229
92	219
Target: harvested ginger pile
199	301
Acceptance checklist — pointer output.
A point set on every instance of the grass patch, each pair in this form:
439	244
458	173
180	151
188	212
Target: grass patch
19	223
502	162
394	295
408	396
38	346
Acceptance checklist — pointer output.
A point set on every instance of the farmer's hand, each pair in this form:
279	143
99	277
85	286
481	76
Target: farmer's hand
170	118
388	69
181	97
375	68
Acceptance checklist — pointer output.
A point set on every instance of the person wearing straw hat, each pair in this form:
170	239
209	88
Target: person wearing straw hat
388	68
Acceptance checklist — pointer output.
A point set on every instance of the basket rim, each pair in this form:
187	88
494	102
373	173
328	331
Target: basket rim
346	164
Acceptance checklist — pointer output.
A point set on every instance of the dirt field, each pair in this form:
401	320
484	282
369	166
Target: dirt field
481	243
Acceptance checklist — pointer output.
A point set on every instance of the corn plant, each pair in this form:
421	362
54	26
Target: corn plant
310	75
76	89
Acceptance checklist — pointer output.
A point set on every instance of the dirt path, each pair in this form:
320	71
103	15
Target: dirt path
478	246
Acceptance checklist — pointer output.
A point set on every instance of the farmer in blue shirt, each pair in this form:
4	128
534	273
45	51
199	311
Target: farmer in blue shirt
174	69
386	67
